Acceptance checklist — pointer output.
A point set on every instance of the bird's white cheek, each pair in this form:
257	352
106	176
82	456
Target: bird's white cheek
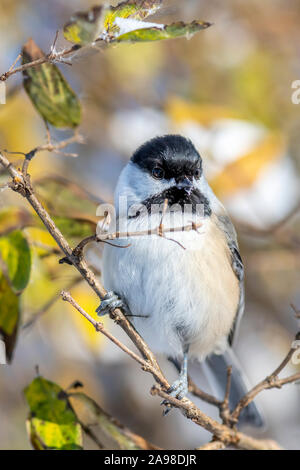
149	186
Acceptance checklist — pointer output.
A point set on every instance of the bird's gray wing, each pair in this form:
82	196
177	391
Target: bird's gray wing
216	365
237	266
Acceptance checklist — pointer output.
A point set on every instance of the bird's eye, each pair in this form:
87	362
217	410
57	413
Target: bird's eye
197	173
158	173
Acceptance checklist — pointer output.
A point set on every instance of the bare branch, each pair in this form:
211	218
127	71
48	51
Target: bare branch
224	409
296	311
159	231
271	381
213	445
22	185
224	433
15	62
146	366
37	315
51	57
197	392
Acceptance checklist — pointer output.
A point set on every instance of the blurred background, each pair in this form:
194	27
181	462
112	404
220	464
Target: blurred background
229	89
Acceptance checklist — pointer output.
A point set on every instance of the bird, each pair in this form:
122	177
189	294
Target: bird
183	289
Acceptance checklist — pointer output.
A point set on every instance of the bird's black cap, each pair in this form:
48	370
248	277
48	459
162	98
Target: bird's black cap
175	154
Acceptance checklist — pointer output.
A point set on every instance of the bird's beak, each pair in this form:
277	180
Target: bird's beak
185	183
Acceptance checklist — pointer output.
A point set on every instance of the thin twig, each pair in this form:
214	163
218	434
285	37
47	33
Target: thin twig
143	233
15	62
271	381
229	436
23	186
101	328
228	385
224	406
159	231
222	432
160	227
197	392
52	48
213	445
51	57
49	147
296	311
36	316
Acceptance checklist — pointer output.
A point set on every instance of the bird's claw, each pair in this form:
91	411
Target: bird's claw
178	390
168	407
110	302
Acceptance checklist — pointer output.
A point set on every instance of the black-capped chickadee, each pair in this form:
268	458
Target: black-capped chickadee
184	289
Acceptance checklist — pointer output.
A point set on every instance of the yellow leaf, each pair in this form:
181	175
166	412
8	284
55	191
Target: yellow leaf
40	235
180	111
243	172
48	90
89	302
19	125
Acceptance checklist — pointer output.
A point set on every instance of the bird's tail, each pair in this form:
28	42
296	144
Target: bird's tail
215	368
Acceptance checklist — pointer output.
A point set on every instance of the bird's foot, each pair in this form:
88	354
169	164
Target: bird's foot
109	303
179	390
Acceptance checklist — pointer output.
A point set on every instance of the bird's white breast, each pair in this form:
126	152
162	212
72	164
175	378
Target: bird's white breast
188	295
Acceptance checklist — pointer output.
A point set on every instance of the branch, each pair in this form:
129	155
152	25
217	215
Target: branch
50	57
56	148
221	432
146	366
213	445
37	315
22	185
159	231
224	433
271	381
197	392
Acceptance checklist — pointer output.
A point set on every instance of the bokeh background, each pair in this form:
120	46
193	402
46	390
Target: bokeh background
229	89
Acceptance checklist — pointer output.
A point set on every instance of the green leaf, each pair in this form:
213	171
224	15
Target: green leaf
65	197
75	228
15	253
159	32
9	316
45	435
85	26
133	9
52	423
49	91
113	433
